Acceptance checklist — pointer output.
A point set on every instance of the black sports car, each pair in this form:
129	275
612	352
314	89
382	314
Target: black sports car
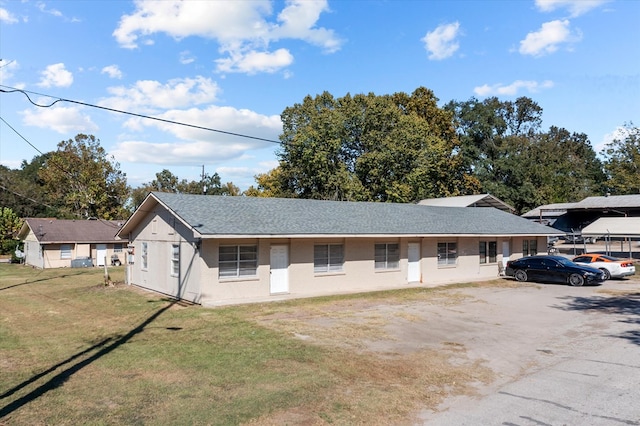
556	269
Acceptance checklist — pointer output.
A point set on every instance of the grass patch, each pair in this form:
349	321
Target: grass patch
74	351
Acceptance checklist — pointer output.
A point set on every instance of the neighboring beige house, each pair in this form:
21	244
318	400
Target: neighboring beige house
58	243
217	250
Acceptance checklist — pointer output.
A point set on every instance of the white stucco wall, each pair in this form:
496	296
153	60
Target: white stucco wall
199	279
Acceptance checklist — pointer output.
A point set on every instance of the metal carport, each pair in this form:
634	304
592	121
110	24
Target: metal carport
614	227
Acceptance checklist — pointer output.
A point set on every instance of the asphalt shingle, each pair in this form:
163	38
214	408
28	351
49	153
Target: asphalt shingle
219	215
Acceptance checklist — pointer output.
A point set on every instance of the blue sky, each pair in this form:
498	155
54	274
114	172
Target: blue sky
236	65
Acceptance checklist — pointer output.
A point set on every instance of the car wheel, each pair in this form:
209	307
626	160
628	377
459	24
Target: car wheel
521	275
576	280
607	274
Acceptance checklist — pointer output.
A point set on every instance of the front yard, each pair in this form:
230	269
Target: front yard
74	351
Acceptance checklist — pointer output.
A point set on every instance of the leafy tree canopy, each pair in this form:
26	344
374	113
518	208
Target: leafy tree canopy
10	225
82	180
166	181
622	162
399	148
503	146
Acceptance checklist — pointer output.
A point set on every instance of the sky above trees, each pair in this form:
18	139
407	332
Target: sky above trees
231	68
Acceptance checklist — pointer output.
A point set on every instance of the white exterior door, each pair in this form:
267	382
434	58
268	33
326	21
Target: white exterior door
506	253
279	278
101	253
413	268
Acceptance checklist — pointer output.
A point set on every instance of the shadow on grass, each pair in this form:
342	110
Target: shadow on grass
76	363
627	305
43	279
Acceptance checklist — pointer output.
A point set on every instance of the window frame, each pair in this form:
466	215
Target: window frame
332	262
449	247
529	247
66	251
236	260
144	255
389	260
175	260
488	252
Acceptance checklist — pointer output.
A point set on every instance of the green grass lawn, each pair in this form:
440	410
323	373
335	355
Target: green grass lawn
74	351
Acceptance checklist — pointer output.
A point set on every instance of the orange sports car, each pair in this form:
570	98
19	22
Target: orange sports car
611	266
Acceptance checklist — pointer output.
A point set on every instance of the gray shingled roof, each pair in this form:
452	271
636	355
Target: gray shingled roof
611	201
549	210
50	231
219	215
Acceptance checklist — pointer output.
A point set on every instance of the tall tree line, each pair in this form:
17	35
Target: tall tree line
389	148
404	148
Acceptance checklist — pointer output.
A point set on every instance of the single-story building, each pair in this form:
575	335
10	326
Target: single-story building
217	250
58	243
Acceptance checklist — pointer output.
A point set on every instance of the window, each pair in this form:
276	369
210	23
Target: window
328	258
387	256
175	260
529	247
447	254
117	248
237	261
488	251
143	254
65	251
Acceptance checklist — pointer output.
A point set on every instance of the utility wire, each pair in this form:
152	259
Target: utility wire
22	137
26	93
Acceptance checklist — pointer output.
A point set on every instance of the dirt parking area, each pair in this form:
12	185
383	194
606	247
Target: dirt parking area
505	328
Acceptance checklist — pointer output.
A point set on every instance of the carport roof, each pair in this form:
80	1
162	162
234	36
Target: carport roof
478	200
610	201
215	216
614	227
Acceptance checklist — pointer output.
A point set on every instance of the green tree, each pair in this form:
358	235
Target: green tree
268	185
622	162
10	225
166	181
503	146
23	192
82	180
398	147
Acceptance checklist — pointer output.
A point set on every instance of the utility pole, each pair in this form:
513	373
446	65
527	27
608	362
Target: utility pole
204	186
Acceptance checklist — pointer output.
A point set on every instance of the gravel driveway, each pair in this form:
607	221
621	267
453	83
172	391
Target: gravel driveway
527	335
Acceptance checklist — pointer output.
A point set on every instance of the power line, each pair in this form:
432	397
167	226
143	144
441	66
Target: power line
26	93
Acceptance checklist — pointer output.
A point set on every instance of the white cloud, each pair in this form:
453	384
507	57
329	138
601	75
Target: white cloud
575	7
64	120
43	8
197	146
151	95
619	133
441	43
548	38
513	88
7	68
254	62
186	57
241	28
7	17
56	76
298	21
112	71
